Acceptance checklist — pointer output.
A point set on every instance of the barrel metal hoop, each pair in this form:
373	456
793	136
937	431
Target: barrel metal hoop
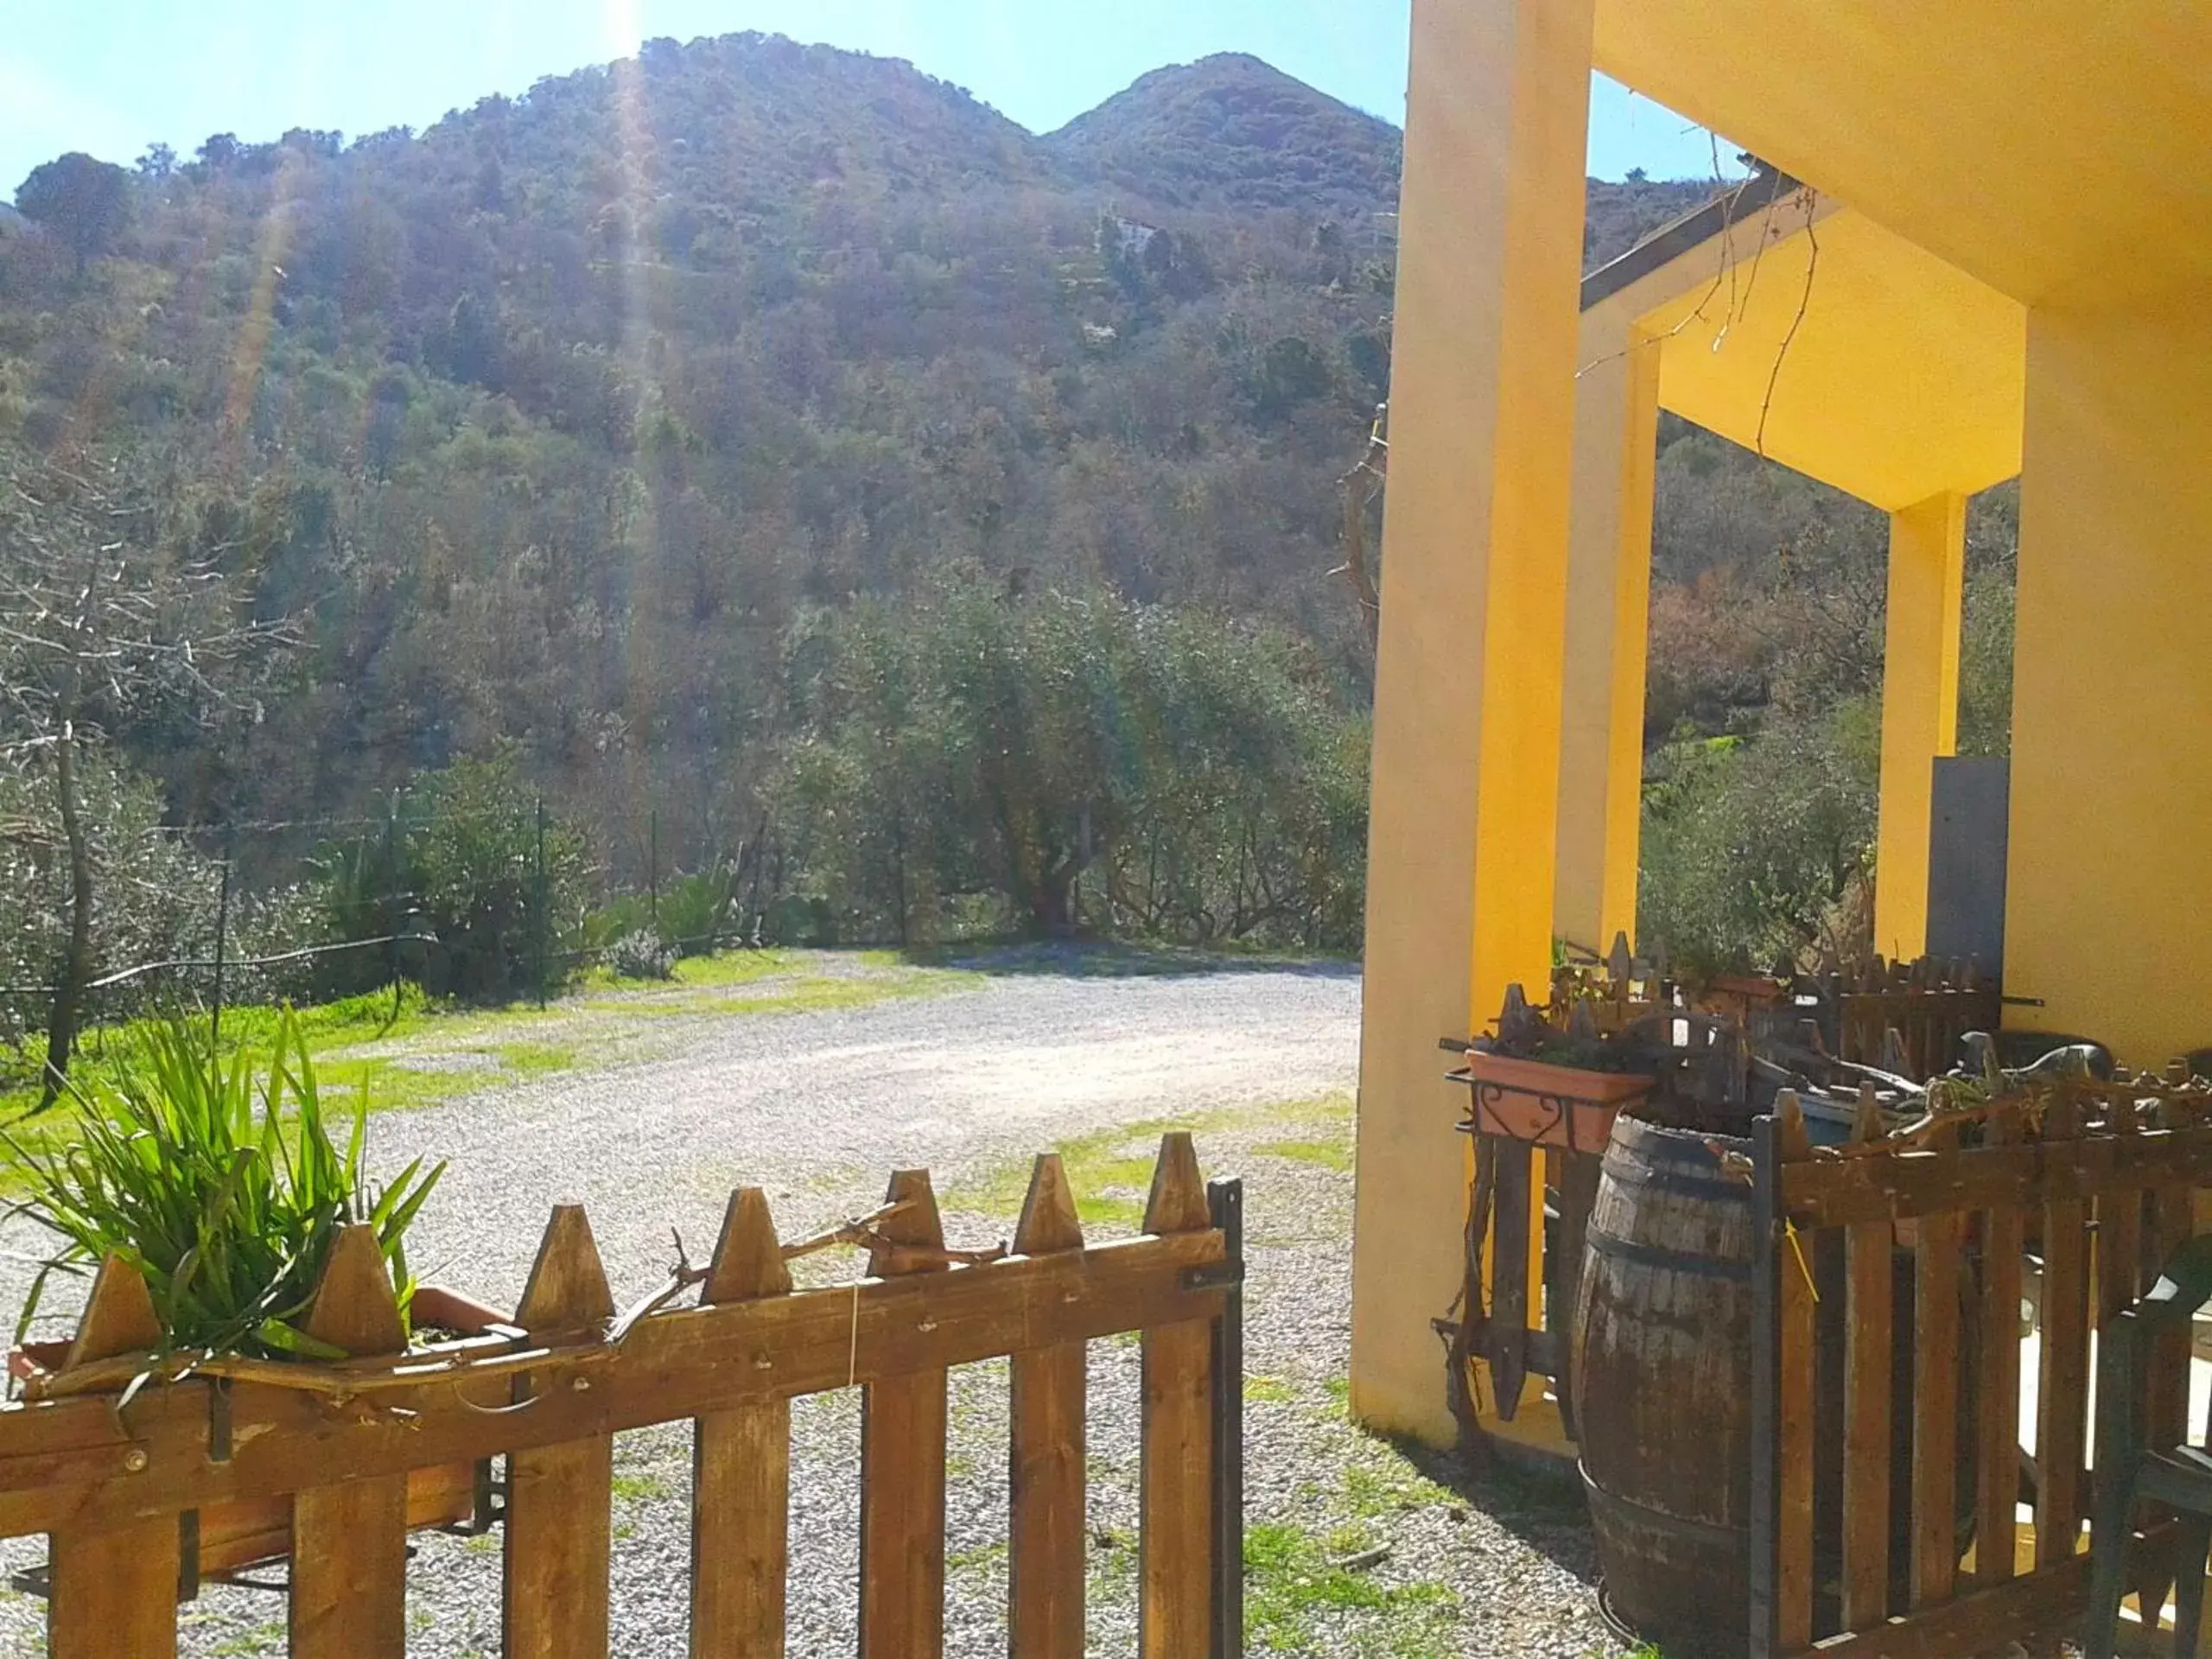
1622	1249
1705	1532
1627	1171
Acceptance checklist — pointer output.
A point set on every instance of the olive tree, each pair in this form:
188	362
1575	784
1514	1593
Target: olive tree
104	628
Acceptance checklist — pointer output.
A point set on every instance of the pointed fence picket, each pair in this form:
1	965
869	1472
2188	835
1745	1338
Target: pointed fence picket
354	1452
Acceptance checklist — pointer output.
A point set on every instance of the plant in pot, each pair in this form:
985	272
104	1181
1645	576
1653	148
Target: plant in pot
1553	1085
217	1208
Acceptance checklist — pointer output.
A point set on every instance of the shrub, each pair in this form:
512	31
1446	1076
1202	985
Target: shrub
642	955
698	912
229	1213
1763	844
467	851
697	915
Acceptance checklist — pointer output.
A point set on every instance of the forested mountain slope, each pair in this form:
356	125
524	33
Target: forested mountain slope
1231	132
548	420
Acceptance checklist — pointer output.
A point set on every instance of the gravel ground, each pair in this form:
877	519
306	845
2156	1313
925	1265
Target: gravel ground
818	1107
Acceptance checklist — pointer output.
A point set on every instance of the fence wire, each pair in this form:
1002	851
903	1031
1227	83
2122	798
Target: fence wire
284	910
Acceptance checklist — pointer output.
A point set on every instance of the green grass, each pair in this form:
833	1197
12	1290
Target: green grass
639	1489
264	1637
816	993
1293	1580
1110	1172
982	1556
417	1053
1268	1390
1329	1155
737	967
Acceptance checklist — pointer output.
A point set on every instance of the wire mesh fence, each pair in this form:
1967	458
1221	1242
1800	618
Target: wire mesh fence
493	900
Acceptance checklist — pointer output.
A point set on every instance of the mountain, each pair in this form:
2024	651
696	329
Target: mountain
1232	132
551	423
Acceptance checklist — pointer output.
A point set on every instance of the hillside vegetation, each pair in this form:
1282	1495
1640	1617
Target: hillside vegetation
644	433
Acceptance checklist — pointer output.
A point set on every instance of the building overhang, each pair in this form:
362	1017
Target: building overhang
2052	151
1803	330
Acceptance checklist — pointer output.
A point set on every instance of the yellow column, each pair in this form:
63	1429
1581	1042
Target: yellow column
1920	708
1467	685
2110	890
1608	630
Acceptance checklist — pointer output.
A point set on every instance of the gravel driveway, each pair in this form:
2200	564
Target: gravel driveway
969	1081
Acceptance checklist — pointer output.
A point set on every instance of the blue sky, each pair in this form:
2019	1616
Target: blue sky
112	76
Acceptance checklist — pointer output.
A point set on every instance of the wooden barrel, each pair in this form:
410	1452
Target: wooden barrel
1663	1388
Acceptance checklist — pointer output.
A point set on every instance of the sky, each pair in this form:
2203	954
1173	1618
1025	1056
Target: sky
113	76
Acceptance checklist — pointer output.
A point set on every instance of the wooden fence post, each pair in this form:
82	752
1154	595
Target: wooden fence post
1936	1360
559	1518
1045	1560
1781	1397
112	1594
740	1469
349	1543
1998	1451
1175	1546
2061	1399
1868	1338
902	1463
1225	1208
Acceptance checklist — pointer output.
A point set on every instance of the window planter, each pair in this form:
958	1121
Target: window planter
1547	1105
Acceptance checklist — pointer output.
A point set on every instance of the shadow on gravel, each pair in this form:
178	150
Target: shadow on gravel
1086	959
1549	1513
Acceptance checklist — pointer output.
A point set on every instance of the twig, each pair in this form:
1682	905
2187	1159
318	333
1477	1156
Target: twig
1804	301
860	1229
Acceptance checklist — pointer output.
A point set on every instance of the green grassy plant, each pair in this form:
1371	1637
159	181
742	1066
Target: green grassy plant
220	1182
1329	1155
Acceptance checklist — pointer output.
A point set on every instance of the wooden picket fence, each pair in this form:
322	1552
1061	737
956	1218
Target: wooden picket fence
1906	1017
1885	1484
343	1458
1927	1004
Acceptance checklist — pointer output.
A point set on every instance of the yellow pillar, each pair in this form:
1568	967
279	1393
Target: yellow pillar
2110	889
1468	685
1920	708
1608	630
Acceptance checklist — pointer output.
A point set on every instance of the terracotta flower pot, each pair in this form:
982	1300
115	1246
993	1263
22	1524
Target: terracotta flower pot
1549	1105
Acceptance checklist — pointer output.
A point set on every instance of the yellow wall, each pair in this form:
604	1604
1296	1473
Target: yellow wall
2110	891
1920	708
1608	626
1467	681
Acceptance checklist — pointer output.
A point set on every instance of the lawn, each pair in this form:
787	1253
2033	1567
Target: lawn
397	1053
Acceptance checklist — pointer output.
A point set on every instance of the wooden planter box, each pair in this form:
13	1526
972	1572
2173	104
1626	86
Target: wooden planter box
1547	1105
257	1532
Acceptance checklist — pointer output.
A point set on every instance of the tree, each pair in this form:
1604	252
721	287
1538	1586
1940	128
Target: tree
1076	758
100	627
83	202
